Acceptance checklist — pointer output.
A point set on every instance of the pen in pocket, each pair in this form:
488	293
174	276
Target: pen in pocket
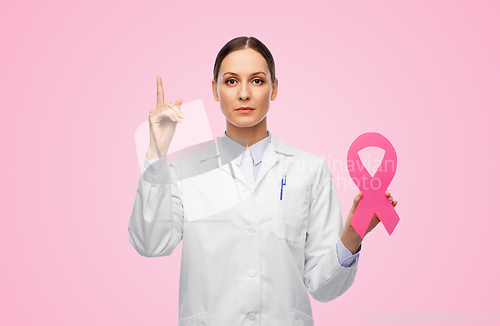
283	183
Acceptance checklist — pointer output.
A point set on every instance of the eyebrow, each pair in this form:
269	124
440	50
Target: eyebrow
255	73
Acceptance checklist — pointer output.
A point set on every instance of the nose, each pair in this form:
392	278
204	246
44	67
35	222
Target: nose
244	93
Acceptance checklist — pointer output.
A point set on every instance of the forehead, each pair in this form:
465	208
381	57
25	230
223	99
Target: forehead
244	62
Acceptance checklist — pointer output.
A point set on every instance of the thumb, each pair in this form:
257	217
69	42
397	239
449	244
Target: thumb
356	201
178	107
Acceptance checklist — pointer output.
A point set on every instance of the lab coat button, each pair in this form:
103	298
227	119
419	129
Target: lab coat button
251	229
251	315
251	272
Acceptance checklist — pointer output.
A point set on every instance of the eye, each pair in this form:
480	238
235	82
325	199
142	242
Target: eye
261	81
229	80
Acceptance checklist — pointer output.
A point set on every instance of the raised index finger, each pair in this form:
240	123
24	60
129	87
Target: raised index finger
159	91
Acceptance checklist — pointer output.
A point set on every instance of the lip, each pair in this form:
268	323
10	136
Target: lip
244	109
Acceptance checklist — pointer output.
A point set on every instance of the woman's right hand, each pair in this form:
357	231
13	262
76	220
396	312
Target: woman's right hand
162	122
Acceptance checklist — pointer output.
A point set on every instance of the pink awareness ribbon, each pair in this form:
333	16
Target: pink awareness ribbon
373	188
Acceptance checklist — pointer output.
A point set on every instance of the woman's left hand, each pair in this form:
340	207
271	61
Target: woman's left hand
375	220
349	236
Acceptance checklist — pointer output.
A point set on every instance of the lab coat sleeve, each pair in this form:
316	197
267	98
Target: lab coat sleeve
346	258
155	166
156	223
324	277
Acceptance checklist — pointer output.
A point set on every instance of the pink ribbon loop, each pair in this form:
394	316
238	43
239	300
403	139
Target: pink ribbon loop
373	188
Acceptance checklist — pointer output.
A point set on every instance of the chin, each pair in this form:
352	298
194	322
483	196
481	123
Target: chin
243	124
245	121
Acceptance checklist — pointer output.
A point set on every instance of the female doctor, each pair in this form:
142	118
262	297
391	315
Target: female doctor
260	220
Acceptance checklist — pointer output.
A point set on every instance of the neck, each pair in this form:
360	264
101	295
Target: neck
247	136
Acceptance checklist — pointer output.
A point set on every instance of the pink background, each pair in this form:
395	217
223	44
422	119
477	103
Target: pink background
78	78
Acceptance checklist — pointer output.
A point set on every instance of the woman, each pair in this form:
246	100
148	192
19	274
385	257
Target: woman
260	220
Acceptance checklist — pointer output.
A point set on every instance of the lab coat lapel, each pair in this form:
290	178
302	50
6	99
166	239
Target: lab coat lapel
236	169
268	161
217	157
271	156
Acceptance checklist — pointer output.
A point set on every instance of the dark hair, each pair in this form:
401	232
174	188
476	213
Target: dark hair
242	42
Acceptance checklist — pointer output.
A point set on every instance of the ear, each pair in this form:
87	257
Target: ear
214	90
275	89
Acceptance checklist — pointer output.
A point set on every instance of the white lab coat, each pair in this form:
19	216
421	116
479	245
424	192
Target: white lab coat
248	258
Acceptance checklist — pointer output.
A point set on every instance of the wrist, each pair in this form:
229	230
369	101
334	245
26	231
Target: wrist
350	238
154	152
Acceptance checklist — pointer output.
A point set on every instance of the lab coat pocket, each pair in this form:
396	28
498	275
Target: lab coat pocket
301	319
195	320
291	214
